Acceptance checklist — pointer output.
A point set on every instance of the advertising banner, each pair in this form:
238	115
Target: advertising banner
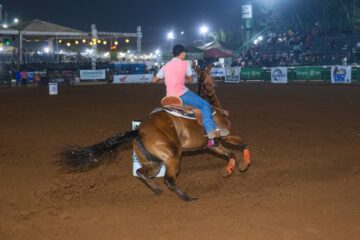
309	73
232	75
247	12
134	78
218	72
251	73
279	75
340	74
53	88
92	74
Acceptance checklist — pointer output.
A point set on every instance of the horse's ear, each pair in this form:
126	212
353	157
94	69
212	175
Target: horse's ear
208	68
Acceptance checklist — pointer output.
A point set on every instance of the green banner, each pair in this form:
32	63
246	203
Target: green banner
251	73
355	74
309	73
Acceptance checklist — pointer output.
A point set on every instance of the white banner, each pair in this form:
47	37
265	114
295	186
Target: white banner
340	74
134	78
92	74
279	75
53	88
232	75
218	72
247	12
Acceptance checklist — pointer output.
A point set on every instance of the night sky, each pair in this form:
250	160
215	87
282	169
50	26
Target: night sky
157	17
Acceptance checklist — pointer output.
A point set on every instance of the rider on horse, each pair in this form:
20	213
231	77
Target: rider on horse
175	73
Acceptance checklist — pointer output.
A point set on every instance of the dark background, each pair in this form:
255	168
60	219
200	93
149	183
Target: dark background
156	17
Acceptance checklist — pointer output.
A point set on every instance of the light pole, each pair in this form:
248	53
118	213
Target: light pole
204	30
171	37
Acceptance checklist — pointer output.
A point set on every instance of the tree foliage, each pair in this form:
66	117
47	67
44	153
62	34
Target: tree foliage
228	39
305	14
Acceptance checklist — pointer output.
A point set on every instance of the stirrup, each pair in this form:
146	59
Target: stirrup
218	133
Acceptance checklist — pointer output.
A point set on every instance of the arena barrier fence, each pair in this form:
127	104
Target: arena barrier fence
326	74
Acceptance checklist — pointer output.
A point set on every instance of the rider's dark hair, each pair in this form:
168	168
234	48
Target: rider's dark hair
178	49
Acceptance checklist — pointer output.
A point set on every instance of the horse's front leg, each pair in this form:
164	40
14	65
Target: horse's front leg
222	151
236	141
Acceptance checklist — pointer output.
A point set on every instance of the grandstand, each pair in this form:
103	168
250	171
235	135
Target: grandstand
294	49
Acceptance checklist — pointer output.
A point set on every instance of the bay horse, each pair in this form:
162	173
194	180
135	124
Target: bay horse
161	139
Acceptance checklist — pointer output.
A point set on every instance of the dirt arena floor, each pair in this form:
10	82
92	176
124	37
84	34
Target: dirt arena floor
304	182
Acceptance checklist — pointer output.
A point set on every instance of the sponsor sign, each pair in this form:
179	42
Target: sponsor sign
218	72
92	74
134	78
340	74
279	75
232	75
53	88
247	12
136	163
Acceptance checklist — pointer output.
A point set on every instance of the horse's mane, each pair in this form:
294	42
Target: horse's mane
206	88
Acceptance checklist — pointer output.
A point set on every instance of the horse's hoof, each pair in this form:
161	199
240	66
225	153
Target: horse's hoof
187	198
226	172
245	162
243	166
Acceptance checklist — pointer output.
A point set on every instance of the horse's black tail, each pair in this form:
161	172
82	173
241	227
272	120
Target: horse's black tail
75	158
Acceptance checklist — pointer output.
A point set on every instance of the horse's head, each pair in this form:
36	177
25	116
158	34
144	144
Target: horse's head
206	85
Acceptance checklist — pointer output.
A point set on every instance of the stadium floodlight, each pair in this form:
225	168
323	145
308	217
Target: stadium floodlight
5	26
256	41
157	52
171	35
182	32
16	20
204	30
46	50
1	49
260	38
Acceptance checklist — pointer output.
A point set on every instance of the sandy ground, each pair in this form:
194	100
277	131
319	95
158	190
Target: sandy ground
304	182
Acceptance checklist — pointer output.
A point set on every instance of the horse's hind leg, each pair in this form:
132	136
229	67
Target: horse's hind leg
148	170
222	151
236	141
172	169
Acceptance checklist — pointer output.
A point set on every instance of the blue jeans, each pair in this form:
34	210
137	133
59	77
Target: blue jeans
193	100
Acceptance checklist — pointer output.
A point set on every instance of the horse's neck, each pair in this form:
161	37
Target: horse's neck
214	100
211	98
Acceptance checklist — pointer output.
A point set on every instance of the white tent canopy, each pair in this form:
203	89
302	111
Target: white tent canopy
38	28
41	28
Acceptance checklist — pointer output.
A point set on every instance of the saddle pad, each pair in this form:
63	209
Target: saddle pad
179	111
